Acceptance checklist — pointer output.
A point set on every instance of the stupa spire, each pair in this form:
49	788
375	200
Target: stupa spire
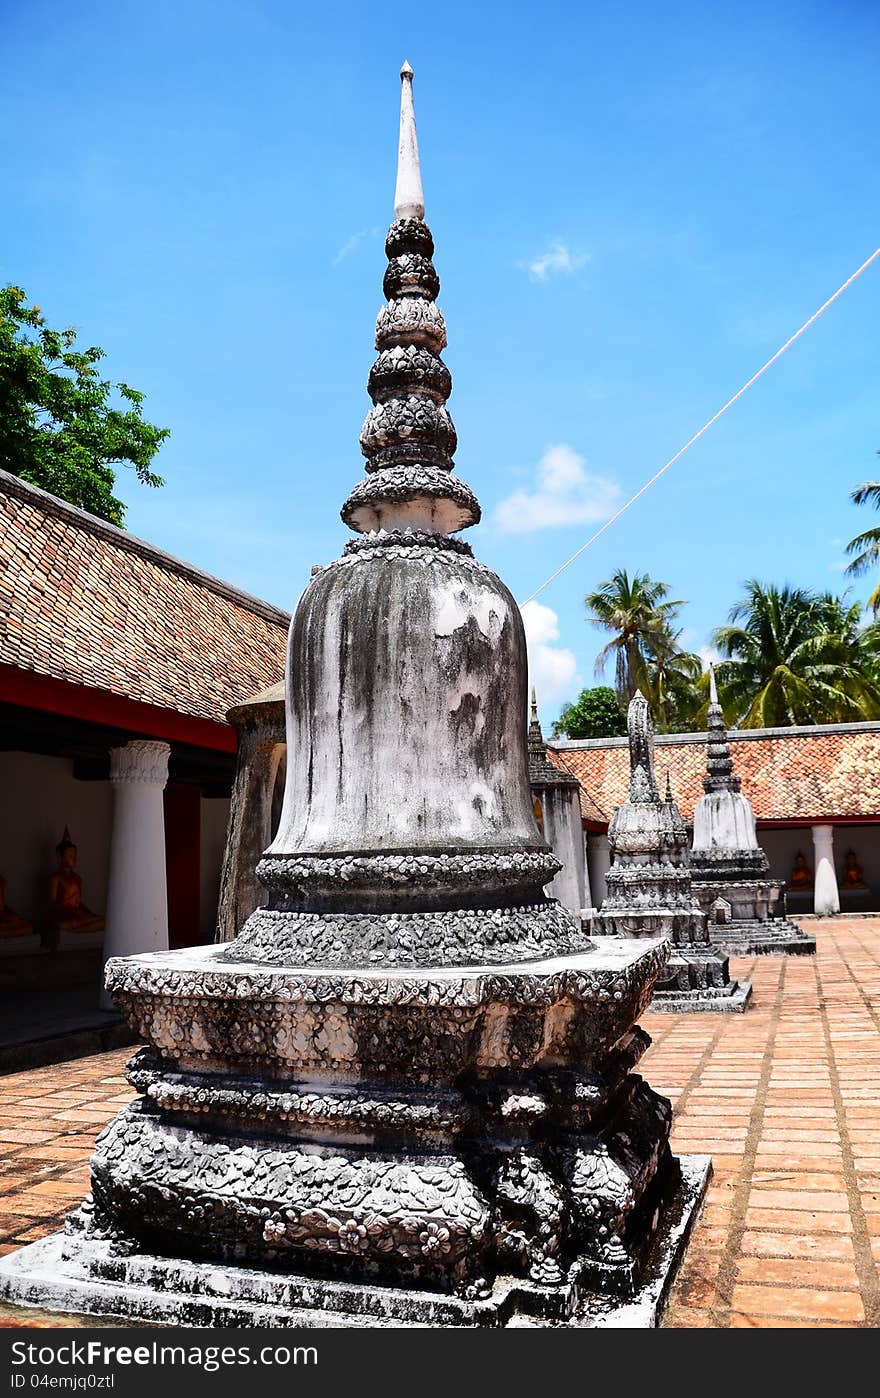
642	784
536	737
408	437
409	201
720	775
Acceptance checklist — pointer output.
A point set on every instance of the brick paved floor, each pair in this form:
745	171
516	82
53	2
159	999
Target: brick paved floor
786	1099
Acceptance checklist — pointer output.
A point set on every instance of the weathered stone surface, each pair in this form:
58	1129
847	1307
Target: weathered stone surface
98	1277
260	724
649	886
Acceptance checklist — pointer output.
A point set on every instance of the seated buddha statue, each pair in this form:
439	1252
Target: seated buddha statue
801	875
67	911
11	925
852	873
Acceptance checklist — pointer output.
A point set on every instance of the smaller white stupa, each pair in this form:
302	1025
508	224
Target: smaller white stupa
730	871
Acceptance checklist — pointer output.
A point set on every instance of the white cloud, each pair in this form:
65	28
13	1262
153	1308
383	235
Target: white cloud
565	493
354	242
558	258
552	668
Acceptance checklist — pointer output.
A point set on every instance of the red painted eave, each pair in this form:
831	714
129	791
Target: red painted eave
48	695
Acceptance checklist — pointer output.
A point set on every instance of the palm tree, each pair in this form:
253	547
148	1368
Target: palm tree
866	546
795	657
637	613
673	689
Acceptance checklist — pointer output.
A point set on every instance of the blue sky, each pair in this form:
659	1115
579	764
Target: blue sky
632	206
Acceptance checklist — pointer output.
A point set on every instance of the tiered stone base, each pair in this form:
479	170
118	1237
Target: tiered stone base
92	1278
697	981
697	975
754	923
471	1134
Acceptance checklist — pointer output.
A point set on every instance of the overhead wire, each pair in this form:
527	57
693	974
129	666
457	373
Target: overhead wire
705	428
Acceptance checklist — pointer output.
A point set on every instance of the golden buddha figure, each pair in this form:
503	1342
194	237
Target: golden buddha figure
11	925
801	875
68	912
538	811
852	873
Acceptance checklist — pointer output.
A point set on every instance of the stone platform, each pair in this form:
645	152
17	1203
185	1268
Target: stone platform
753	937
518	1171
697	978
91	1278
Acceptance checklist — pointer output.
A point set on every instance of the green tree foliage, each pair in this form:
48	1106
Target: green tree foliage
62	426
866	547
639	615
672	684
594	714
637	612
793	656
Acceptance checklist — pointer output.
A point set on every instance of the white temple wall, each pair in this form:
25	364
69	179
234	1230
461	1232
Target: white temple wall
564	834
38	797
215	816
598	864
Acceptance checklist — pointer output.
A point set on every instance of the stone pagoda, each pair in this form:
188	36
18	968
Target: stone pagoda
556	797
404	1093
730	871
649	886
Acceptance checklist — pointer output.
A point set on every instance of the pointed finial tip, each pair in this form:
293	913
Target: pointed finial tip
409	201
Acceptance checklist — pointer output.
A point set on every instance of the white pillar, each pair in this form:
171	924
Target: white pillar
564	834
826	898
598	864
137	896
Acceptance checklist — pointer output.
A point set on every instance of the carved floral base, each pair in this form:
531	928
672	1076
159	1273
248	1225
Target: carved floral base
427	1130
80	1271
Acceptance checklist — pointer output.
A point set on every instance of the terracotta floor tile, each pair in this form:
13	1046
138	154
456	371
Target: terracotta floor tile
812	1246
25	1136
797	1221
794	1271
805	1182
60	1189
767	1195
32	1204
66	1149
739	1321
683	1318
805	1303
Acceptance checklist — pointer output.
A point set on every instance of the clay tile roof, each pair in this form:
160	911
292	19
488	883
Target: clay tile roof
85	602
590	811
827	772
